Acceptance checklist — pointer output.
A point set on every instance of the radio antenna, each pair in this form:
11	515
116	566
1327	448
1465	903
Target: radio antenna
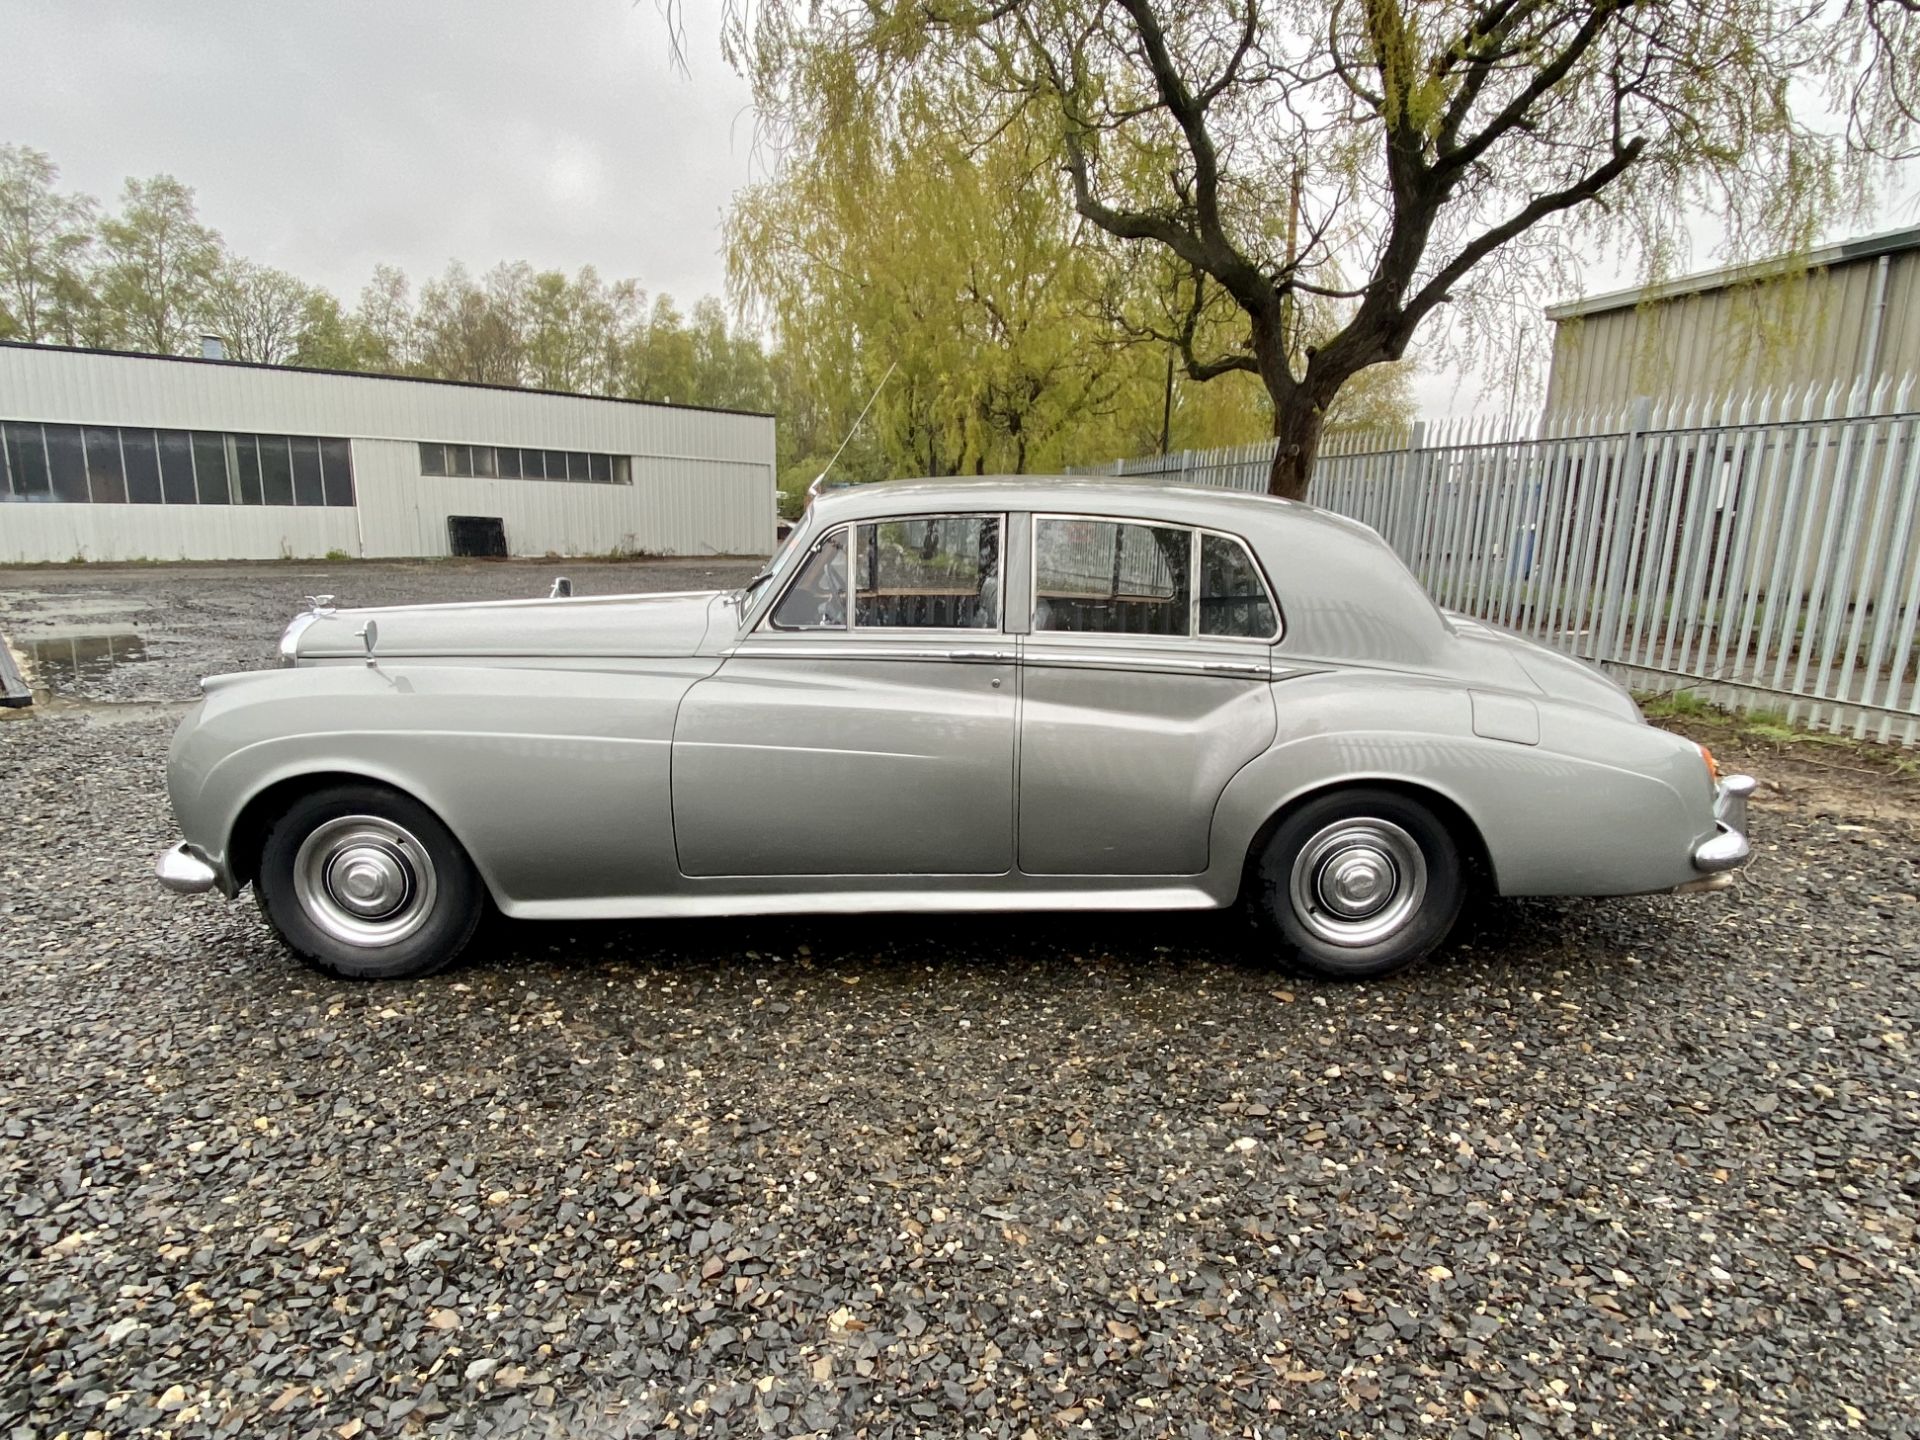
821	479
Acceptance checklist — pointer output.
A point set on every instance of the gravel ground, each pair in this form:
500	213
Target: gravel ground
1629	1167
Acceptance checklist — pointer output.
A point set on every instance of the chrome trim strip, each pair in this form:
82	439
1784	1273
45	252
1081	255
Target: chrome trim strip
290	637
1035	656
799	649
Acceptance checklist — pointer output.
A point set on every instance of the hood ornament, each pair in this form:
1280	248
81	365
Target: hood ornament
320	604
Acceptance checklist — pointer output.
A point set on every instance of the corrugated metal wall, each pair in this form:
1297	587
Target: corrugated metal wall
703	480
34	534
1812	329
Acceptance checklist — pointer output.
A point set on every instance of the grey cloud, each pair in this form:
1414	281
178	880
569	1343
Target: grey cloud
327	138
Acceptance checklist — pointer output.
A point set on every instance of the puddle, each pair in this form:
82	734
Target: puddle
34	609
61	663
113	712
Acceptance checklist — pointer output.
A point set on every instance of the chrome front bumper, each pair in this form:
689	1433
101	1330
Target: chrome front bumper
1728	849
184	872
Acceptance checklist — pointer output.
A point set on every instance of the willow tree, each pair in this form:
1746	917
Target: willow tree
916	248
909	252
1380	159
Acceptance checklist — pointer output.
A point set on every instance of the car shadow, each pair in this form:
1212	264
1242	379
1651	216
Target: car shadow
1530	934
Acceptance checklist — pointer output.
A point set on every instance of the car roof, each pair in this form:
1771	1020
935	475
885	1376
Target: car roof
1147	496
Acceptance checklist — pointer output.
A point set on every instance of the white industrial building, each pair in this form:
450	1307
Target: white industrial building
108	456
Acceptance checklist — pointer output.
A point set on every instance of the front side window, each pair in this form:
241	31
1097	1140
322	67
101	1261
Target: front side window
817	598
934	572
1233	597
1110	577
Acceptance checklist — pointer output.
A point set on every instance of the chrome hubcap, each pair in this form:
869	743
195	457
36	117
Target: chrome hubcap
364	880
370	880
1357	882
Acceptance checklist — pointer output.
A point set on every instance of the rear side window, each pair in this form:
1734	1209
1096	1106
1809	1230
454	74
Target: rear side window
1110	577
1233	597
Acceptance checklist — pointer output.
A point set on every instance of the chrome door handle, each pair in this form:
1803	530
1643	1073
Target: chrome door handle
1259	672
982	657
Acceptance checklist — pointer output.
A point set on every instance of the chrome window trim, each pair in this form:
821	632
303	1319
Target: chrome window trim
1033	575
1260	574
764	626
1034	632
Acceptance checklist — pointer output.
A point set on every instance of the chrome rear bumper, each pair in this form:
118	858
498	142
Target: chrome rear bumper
1728	849
184	872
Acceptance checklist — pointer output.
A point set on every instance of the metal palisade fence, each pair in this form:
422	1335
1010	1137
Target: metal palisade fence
1762	551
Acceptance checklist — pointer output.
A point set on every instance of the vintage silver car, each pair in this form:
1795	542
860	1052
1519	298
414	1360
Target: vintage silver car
981	694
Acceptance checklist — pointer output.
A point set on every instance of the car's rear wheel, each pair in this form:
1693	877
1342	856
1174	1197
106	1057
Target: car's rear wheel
1359	883
366	883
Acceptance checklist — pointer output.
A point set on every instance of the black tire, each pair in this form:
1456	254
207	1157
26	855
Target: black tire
369	844
1325	863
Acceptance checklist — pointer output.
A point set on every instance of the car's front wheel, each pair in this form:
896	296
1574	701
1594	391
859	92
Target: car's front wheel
1359	883
366	883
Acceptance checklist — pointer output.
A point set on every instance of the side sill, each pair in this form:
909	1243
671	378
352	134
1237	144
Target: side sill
861	902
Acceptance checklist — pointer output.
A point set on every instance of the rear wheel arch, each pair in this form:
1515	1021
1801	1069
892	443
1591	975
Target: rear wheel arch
1459	825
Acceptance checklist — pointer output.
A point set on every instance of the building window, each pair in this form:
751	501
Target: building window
176	468
336	466
105	465
210	469
143	466
488	462
66	463
276	470
106	475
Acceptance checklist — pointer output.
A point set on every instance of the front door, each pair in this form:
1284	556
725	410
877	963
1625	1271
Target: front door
1144	687
871	738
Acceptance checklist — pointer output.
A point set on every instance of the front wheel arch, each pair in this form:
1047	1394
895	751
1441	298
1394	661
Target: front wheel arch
1459	825
249	833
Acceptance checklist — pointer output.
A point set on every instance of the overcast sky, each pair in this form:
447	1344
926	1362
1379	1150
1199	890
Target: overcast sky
325	138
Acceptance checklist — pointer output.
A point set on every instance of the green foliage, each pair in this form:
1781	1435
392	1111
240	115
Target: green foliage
924	249
326	339
1315	181
44	242
1673	703
261	313
158	264
337	555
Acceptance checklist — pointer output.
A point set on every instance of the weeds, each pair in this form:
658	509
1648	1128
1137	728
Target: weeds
1677	703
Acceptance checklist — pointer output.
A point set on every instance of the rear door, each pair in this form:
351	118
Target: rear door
1144	687
868	733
